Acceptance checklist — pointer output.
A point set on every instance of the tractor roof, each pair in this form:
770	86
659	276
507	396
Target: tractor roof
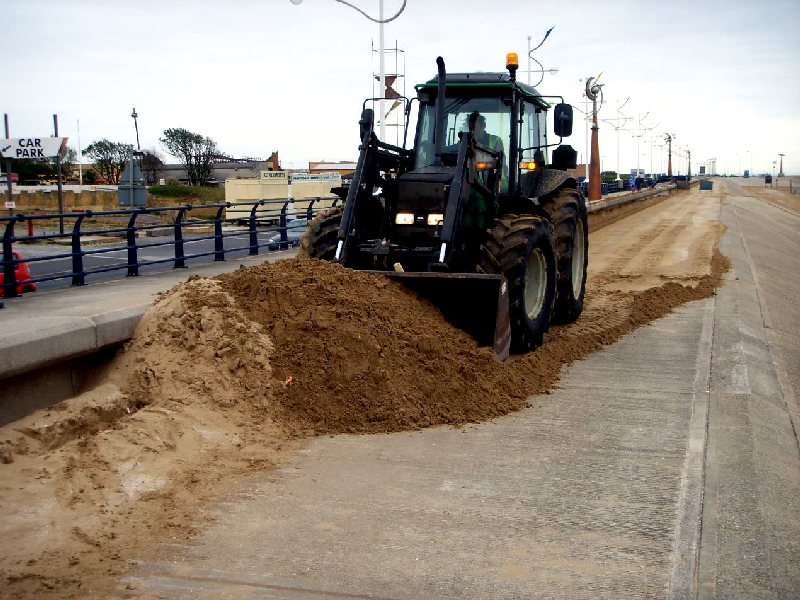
485	80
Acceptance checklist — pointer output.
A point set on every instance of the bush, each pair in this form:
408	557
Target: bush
608	176
188	193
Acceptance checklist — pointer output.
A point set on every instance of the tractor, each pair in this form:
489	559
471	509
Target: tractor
474	216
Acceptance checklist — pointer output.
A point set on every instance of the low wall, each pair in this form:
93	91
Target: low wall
607	211
41	201
47	202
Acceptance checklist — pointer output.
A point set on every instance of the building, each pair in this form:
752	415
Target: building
341	167
225	168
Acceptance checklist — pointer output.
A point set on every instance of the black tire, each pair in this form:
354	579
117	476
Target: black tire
523	249
566	209
320	237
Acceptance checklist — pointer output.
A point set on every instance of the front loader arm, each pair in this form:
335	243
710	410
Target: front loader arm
364	178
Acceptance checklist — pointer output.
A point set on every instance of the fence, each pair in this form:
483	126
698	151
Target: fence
276	212
606	187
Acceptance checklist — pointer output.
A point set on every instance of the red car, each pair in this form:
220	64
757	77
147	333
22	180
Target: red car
21	274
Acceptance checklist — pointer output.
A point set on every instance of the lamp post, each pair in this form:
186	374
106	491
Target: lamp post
136	125
639	135
619	107
668	137
530	57
382	76
593	91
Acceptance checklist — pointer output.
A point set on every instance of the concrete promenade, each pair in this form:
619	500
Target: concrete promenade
666	465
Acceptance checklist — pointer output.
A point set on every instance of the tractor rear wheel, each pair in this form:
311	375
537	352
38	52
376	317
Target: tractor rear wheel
320	238
523	249
566	209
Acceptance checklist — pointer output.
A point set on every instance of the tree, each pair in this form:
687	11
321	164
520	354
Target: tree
152	165
109	158
195	152
89	177
32	172
69	160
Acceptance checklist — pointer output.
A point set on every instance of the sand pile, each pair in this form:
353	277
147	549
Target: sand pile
185	406
365	354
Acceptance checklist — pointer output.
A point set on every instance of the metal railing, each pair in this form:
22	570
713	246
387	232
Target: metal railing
265	216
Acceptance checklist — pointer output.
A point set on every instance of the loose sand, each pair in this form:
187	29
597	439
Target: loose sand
225	375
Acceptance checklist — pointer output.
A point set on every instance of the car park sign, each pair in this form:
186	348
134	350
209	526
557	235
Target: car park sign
37	147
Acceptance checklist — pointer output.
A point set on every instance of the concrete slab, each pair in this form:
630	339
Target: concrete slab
601	489
580	493
750	544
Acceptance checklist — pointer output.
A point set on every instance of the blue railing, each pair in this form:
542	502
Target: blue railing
264	216
606	187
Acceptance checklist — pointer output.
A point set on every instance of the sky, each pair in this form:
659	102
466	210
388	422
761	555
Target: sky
259	76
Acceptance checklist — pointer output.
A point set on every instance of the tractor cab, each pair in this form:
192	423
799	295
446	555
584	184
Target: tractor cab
480	104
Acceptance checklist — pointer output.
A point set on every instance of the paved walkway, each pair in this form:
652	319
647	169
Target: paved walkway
667	465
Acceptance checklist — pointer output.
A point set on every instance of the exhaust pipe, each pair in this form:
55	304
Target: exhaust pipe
439	145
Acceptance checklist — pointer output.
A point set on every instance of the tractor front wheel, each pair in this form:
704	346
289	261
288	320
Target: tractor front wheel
523	249
566	208
321	235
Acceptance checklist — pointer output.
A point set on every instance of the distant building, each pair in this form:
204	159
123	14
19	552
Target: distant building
578	172
234	168
342	167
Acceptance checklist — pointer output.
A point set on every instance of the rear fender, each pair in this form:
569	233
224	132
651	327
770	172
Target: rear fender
546	182
519	205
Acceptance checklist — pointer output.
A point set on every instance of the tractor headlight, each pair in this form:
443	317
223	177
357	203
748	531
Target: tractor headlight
435	219
404	219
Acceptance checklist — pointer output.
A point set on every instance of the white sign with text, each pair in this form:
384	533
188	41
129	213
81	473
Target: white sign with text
38	147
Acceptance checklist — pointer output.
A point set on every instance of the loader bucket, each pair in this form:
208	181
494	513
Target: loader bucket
474	302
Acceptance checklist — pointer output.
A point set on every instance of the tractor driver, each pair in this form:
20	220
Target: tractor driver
477	125
475	218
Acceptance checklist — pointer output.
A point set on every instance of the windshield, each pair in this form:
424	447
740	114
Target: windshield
491	120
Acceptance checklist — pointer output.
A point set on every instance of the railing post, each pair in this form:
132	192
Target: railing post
180	261
9	267
78	274
133	251
253	232
310	209
219	247
284	233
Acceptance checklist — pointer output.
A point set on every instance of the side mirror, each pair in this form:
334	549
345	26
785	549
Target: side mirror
366	123
562	116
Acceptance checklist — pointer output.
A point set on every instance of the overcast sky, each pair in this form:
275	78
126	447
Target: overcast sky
265	75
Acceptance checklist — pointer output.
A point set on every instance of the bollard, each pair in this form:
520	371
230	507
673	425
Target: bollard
30	227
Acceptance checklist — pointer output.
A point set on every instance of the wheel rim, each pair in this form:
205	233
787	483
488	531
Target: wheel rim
535	284
578	259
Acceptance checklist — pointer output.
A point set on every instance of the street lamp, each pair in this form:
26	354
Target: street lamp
541	70
380	21
136	125
617	127
638	137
